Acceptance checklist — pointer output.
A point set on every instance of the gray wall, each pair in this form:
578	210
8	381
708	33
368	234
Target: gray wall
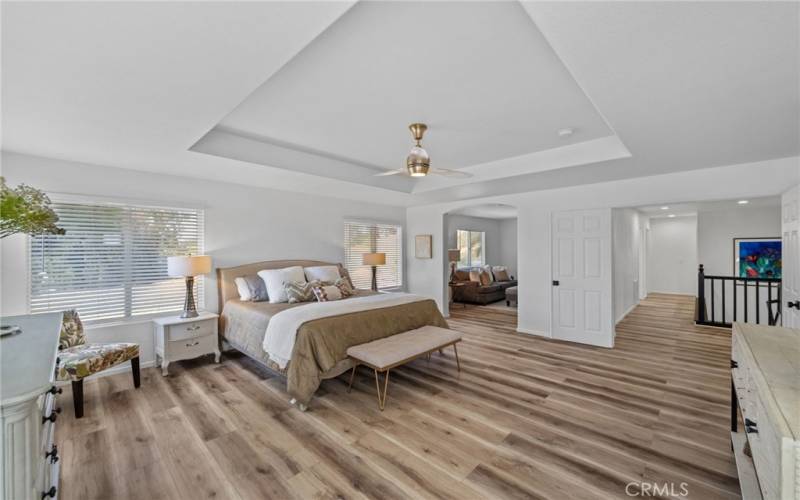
501	237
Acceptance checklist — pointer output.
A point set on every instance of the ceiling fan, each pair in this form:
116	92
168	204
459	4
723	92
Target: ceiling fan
418	162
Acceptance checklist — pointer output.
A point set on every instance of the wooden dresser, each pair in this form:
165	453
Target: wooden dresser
765	371
28	409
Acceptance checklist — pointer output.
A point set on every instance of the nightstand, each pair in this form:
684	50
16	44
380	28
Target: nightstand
185	338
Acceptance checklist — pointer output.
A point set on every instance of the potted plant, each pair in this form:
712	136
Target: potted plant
25	210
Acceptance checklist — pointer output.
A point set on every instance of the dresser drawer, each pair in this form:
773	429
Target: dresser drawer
766	450
191	347
191	330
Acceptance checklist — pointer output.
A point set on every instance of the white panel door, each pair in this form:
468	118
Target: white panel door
790	230
582	306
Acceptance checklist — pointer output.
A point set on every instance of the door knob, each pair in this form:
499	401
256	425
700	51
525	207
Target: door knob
795	304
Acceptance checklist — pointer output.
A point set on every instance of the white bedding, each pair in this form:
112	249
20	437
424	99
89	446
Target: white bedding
282	328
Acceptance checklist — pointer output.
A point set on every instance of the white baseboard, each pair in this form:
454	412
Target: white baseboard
631	308
120	368
533	332
672	293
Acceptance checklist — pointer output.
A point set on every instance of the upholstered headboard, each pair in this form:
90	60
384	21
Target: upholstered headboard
226	288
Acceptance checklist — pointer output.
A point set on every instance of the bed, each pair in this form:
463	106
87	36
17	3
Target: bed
321	332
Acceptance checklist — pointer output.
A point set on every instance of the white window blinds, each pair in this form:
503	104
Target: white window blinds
368	237
112	261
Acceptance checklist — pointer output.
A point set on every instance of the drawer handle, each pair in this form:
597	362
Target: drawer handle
51	418
750	426
193	344
55	390
734	364
52	453
192	328
49	493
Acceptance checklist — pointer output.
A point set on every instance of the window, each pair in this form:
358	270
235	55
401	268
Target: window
112	262
368	237
471	245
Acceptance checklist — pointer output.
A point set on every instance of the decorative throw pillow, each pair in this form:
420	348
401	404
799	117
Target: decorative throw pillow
344	286
322	273
328	293
71	330
486	278
300	291
344	273
251	288
275	278
475	275
488	271
501	275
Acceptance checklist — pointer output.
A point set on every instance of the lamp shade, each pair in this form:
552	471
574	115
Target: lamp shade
373	259
188	265
453	255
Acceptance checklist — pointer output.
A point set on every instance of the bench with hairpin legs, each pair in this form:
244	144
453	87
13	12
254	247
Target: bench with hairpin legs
384	354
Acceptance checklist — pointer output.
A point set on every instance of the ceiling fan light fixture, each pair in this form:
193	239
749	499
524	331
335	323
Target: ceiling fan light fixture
418	162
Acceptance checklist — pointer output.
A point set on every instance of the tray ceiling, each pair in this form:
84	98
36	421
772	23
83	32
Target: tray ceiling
489	87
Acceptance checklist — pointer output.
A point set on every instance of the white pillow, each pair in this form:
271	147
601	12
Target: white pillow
244	289
322	273
275	278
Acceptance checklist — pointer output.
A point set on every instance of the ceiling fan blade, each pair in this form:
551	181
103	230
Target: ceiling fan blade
446	172
390	172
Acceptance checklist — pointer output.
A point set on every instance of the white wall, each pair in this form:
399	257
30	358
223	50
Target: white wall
242	224
672	255
716	230
625	248
427	277
508	245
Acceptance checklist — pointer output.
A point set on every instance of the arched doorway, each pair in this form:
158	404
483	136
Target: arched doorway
480	242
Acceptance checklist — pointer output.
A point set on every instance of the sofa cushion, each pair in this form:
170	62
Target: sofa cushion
501	275
491	289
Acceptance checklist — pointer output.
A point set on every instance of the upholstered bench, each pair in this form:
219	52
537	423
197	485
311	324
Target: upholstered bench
511	296
384	354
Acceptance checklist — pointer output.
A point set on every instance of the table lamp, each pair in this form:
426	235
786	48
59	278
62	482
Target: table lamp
374	260
189	266
453	255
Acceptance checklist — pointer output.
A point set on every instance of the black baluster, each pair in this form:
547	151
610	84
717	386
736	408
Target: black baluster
745	301
758	304
713	312
723	300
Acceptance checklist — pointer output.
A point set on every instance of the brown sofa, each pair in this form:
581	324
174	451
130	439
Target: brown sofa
473	292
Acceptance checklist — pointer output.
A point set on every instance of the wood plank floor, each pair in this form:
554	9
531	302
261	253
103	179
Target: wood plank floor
526	418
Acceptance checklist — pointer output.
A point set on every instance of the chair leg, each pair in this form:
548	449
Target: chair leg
458	363
77	397
135	370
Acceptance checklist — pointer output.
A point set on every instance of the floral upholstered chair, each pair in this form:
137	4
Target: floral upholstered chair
77	359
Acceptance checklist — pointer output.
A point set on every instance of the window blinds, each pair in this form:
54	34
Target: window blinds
368	237
112	261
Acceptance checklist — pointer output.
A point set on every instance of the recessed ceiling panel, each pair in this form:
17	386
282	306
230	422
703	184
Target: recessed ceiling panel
480	74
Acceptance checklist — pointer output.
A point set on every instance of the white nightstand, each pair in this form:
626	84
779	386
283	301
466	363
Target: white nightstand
185	338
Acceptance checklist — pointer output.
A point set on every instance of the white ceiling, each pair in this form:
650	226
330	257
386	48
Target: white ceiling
489	87
685	209
488	211
681	85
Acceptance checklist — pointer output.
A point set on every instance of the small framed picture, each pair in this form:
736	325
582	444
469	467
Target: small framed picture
424	246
